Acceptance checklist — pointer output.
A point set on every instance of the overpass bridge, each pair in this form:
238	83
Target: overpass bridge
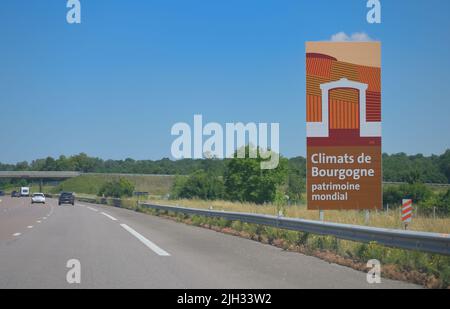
61	175
38	175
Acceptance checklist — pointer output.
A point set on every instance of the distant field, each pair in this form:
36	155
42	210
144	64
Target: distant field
436	188
91	184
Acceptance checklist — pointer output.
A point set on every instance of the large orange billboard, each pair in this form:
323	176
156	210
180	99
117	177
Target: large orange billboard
343	125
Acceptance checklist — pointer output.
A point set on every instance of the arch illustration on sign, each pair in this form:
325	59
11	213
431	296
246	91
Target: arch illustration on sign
321	129
343	125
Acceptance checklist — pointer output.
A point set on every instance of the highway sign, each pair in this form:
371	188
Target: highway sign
343	125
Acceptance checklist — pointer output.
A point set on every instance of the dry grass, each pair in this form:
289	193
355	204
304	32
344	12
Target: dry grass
383	219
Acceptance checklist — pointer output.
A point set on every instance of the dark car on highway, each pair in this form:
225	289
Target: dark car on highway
2	193
15	194
66	198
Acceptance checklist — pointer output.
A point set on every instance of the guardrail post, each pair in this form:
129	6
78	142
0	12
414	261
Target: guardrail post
321	215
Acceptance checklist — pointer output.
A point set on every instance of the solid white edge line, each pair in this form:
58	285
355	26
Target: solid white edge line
145	241
109	216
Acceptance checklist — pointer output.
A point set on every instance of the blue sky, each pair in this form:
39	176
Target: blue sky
114	86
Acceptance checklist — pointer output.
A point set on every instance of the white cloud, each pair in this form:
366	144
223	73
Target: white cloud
354	37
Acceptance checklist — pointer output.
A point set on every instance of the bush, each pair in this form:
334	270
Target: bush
392	196
444	201
236	225
418	192
440	202
199	184
295	187
117	189
197	220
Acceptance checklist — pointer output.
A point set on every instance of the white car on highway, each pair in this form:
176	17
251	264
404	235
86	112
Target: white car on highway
38	198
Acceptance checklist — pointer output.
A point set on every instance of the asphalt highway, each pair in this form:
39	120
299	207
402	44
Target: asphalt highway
118	248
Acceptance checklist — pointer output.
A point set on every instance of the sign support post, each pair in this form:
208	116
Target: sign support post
367	217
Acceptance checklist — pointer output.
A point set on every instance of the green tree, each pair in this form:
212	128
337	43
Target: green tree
444	202
117	188
50	164
444	164
417	168
413	177
86	164
246	181
22	166
65	164
296	187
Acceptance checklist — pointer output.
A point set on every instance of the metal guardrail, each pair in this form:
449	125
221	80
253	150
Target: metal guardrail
410	240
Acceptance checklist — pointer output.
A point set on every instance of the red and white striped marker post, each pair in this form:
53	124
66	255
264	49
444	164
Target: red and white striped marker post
407	211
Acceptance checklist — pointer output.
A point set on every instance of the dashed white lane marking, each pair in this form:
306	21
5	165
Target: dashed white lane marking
109	216
51	211
38	221
29	227
17	234
93	209
145	241
44	218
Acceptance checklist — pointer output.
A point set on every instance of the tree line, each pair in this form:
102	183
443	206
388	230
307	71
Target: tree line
243	180
396	167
